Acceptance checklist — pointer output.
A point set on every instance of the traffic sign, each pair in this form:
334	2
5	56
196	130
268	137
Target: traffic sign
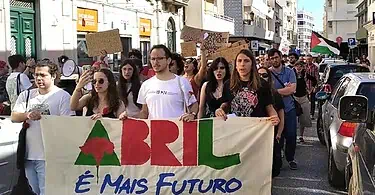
351	42
254	45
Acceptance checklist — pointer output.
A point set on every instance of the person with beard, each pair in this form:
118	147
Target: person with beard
165	95
293	58
285	83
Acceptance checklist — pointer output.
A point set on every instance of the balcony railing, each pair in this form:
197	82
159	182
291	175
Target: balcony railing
222	17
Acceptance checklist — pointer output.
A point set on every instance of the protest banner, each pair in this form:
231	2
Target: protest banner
188	49
158	157
192	34
105	40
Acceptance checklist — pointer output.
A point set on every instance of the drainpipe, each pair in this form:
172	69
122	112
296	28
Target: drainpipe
157	22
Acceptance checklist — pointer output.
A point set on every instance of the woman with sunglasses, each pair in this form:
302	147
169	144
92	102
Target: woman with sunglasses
194	73
103	101
177	64
211	96
247	94
128	87
278	103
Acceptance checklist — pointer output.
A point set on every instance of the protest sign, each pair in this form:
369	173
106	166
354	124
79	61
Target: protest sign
230	53
106	40
188	49
192	34
158	157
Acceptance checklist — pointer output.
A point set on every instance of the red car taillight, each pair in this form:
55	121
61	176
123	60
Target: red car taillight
347	129
327	88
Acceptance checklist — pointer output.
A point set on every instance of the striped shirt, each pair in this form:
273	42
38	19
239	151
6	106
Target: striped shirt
312	70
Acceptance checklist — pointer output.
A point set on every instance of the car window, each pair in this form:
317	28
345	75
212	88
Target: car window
322	67
326	74
340	92
335	88
368	90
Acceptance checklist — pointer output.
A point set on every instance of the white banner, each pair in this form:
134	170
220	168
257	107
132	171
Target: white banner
157	156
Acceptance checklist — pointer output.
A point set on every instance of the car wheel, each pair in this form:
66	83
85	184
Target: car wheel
335	177
320	130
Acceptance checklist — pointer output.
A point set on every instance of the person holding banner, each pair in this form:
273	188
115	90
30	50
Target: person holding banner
103	101
165	95
47	99
248	95
128	87
211	96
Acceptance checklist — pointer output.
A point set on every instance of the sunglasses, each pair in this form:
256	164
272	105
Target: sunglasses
219	67
100	81
264	75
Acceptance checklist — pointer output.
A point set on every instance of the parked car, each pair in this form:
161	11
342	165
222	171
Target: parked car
323	64
332	74
8	146
337	132
360	168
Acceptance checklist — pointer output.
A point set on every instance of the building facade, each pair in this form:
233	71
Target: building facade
370	27
208	15
341	20
305	24
58	27
362	33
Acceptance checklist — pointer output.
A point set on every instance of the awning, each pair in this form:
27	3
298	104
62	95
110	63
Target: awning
264	45
361	33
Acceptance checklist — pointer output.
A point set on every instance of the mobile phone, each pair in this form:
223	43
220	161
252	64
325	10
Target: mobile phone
86	67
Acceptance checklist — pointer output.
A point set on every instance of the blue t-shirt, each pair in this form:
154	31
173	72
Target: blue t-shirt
286	75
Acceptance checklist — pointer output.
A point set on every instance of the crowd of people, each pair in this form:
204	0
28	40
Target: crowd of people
272	86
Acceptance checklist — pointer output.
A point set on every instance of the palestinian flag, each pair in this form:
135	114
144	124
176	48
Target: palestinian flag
322	45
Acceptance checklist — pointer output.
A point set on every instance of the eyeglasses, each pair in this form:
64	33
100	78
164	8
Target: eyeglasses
158	59
100	81
264	75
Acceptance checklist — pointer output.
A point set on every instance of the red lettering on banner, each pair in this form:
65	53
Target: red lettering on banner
190	157
162	133
134	151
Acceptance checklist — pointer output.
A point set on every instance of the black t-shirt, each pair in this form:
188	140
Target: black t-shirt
247	102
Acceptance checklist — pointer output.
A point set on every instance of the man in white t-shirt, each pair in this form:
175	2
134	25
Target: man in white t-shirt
166	95
47	99
17	81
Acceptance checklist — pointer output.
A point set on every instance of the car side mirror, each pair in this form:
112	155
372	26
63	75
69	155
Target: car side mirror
321	95
353	109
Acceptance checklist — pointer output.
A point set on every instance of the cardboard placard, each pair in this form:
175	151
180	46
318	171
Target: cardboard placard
192	34
188	49
230	53
105	40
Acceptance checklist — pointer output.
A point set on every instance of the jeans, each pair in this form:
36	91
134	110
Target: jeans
35	173
290	135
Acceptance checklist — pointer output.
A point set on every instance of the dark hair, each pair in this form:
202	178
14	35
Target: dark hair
212	82
284	56
138	63
62	59
179	61
235	80
269	81
53	69
195	63
300	63
136	53
135	84
167	52
309	55
112	94
295	55
15	60
272	52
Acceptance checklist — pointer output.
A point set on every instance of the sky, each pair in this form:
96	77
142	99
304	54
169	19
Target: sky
317	9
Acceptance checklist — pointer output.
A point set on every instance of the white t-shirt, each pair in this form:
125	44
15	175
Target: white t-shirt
164	98
11	86
56	102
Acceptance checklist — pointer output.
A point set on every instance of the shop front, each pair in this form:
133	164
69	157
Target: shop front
145	38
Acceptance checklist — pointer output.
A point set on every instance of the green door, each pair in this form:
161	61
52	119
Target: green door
22	24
